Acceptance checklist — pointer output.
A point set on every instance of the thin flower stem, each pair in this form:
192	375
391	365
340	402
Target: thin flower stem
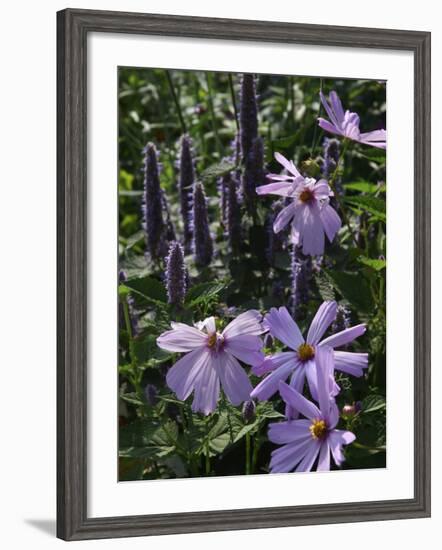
177	103
333	187
212	113
235	108
248	454
315	130
134	379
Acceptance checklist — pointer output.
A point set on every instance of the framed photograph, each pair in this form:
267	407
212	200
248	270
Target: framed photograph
243	274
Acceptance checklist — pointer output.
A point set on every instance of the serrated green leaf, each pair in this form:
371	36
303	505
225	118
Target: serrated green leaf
218	170
374	205
362	186
203	291
373	403
375	264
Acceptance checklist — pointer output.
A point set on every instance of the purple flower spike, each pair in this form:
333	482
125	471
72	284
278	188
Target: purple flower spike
185	184
211	359
248	114
175	275
304	440
152	207
346	124
300	363
253	175
202	239
301	278
233	216
309	212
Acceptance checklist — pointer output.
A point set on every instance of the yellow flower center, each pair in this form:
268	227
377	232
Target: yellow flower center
306	195
215	341
211	341
306	352
318	429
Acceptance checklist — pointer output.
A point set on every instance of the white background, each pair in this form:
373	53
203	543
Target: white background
27	124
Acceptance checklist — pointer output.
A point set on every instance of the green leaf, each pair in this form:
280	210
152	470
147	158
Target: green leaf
373	403
149	289
374	154
217	170
325	288
354	288
134	239
201	292
374	205
362	186
375	264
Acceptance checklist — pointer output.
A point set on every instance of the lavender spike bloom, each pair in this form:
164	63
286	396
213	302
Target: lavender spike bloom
300	362
253	175
309	212
152	207
233	217
185	184
175	275
301	279
303	440
202	239
211	358
347	124
331	149
248	114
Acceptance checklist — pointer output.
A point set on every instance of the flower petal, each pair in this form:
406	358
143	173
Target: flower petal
297	381
324	317
246	323
329	127
351	363
336	106
269	385
288	164
282	188
321	190
299	402
181	338
324	373
344	337
328	109
181	378
287	457
275	361
284	217
331	222
281	325
307	462
206	390
246	348
234	379
338	438
324	457
289	432
308	224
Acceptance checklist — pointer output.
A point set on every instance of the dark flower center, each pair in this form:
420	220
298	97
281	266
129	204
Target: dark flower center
306	195
306	352
318	428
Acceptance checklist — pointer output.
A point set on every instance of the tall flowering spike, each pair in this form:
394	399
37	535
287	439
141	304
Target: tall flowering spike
301	281
248	114
185	184
223	193
233	216
331	148
202	239
275	242
152	207
175	275
253	175
343	319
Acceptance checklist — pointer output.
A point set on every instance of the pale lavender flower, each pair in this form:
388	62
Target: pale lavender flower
309	212
202	239
300	363
152	206
175	275
212	359
315	436
185	185
346	124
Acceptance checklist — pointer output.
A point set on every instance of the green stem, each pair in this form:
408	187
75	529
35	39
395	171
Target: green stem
235	108
135	378
212	114
177	103
248	454
315	130
333	188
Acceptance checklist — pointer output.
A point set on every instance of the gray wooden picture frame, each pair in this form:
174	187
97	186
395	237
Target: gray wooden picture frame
73	27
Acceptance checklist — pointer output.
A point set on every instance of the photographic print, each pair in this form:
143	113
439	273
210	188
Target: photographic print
252	274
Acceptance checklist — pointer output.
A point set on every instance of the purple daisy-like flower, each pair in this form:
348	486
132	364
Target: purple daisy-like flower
212	358
346	124
309	212
314	437
300	362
